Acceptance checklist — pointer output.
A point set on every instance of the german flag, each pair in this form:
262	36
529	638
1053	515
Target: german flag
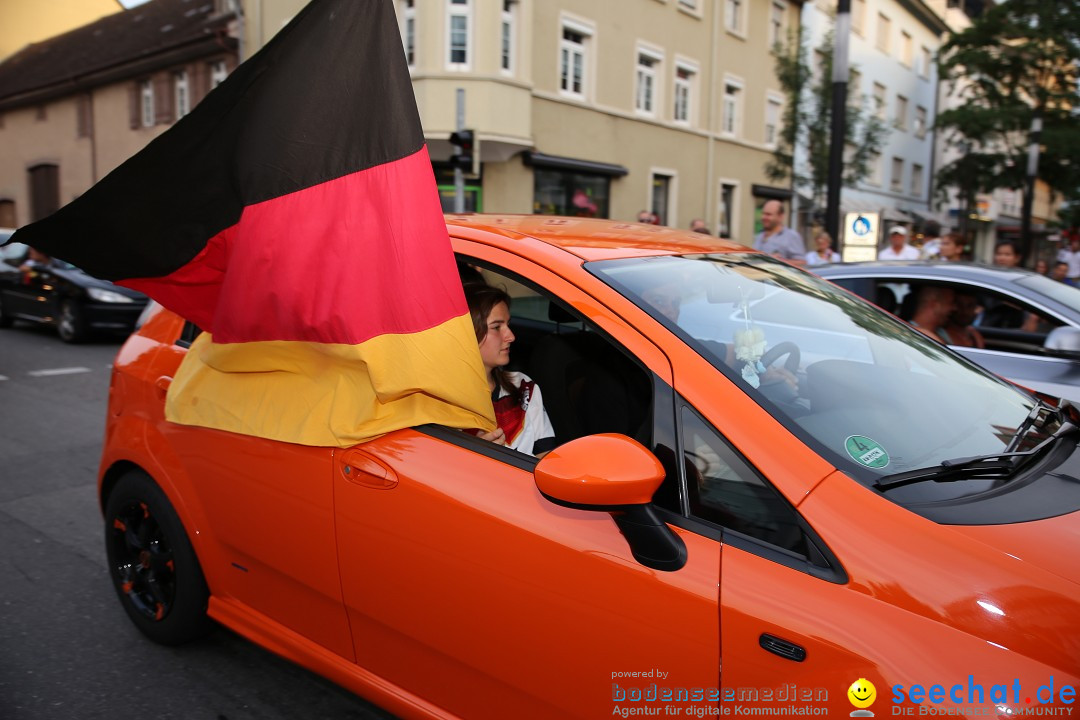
293	215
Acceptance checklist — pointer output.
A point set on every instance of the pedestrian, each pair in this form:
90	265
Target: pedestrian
1060	271
898	247
1041	267
647	217
823	252
1007	254
698	225
777	239
951	248
931	248
1071	256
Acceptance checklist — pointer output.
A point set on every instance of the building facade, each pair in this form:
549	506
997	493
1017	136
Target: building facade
76	105
595	108
892	54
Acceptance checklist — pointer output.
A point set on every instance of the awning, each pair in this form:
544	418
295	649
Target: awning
542	160
772	193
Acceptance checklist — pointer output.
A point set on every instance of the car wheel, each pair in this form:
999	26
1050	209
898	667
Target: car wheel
154	568
71	324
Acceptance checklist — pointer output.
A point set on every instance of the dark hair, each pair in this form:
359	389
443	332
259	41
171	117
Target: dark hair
1013	245
482	299
932	228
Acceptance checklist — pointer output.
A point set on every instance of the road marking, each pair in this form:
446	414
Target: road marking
58	371
3	378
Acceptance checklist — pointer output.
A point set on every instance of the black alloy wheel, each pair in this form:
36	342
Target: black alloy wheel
153	566
71	322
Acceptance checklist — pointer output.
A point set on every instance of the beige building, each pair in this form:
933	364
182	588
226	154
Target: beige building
28	21
76	105
596	107
579	107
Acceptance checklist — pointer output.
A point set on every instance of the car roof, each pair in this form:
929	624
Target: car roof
596	239
937	268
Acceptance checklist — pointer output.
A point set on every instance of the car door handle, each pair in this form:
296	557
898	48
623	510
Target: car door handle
161	385
781	647
362	469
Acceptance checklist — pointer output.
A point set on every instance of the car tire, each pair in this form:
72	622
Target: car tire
71	323
152	564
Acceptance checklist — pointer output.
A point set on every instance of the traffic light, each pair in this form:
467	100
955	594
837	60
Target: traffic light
463	142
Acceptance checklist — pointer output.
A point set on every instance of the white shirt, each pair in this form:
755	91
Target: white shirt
907	252
815	258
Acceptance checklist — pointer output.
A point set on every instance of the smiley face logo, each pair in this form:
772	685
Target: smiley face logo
862	693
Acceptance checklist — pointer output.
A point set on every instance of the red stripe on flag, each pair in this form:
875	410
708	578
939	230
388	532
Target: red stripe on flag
340	262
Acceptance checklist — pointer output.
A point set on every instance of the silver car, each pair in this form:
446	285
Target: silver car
1030	323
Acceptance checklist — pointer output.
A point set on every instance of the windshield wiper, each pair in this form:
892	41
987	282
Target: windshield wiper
994	465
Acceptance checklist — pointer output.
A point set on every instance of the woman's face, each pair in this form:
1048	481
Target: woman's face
1006	257
495	346
950	249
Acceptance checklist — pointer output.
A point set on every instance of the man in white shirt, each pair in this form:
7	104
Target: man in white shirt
1071	257
898	248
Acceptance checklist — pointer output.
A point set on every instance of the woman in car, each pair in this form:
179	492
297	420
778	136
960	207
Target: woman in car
523	423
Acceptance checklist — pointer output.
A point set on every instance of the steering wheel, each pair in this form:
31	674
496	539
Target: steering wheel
779	350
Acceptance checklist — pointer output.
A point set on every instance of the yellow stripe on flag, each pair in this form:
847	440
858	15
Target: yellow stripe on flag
334	394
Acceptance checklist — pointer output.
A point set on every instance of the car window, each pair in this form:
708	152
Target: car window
724	490
588	382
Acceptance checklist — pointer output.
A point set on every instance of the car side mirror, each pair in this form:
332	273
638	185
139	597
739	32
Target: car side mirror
615	474
1063	342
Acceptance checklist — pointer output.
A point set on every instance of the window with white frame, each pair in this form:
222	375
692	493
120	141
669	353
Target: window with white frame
901	112
896	181
509	25
920	121
146	95
874	163
181	94
218	73
916	179
459	35
907	48
884	32
735	16
926	58
777	11
732	106
685	81
573	59
648	67
854	88
858	16
773	106
408	29
879	100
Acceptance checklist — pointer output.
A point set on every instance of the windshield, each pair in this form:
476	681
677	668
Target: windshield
869	393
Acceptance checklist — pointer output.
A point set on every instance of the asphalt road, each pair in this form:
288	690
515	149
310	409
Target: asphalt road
67	650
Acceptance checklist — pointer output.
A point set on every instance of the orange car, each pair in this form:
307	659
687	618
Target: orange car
769	497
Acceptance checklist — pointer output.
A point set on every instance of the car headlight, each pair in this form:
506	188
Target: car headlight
107	296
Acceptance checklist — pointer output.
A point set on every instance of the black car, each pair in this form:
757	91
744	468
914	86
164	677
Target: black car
57	293
1030	323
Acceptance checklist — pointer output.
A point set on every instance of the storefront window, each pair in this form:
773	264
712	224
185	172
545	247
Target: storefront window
568	193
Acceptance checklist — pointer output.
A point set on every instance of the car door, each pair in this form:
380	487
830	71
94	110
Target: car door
468	588
268	509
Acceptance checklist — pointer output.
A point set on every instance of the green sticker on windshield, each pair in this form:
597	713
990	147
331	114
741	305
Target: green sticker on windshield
865	451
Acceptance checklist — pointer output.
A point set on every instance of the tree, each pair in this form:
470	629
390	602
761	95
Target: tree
1016	63
807	123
